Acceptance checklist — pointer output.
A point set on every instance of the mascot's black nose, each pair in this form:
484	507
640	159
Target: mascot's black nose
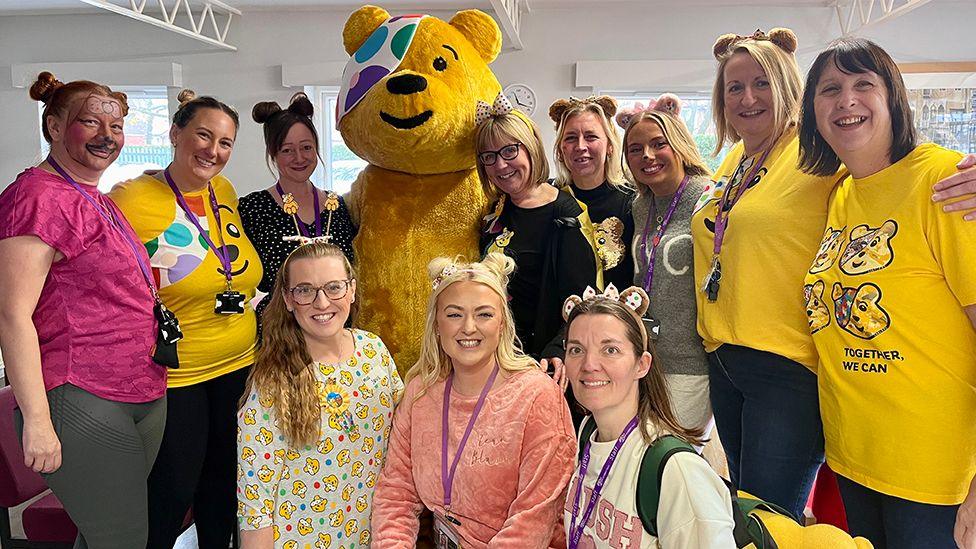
405	84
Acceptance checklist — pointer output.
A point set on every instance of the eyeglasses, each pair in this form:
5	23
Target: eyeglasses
305	294
508	152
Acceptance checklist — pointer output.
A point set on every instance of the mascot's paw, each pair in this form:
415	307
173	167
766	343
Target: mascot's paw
790	535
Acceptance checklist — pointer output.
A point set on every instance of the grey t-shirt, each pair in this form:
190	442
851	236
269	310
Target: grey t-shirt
672	291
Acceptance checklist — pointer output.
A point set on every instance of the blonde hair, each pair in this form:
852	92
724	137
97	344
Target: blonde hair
283	369
785	83
512	126
604	107
434	364
679	139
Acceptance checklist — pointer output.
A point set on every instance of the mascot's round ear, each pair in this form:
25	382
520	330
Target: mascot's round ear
360	25
481	30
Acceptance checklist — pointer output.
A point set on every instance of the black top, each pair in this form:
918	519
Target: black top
553	260
266	224
613	201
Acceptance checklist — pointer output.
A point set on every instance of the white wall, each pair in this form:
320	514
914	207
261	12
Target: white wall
554	40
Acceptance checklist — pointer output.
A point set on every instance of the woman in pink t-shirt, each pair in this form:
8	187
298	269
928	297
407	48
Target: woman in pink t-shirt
76	321
482	437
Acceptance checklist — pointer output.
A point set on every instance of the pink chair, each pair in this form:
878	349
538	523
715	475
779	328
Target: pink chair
46	524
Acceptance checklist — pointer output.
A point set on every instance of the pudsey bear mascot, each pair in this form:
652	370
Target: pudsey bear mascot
407	107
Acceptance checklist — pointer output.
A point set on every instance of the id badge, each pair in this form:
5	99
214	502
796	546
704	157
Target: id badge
445	535
229	303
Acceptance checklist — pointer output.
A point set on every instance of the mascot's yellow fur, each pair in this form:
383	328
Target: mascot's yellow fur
420	196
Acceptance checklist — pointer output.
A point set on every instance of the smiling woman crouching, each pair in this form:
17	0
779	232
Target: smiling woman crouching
482	437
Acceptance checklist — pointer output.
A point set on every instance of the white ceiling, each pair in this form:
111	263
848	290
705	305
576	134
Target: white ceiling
10	7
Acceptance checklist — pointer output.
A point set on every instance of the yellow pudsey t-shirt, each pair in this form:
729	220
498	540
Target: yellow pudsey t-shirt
885	299
189	275
772	233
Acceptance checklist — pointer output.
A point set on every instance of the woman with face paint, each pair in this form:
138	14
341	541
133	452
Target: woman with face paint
269	215
187	217
76	321
587	154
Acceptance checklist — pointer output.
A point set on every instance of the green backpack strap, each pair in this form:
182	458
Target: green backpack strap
649	478
586	431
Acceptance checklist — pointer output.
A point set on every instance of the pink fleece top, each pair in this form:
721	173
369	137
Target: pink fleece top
511	481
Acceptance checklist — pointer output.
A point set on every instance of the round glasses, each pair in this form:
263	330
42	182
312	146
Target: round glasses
508	152
305	294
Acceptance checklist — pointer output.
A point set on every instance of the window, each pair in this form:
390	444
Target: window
946	116
146	136
696	111
341	166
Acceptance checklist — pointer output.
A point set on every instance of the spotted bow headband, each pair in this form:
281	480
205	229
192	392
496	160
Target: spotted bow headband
500	107
634	298
447	272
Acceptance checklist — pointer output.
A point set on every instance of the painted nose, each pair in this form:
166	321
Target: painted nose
405	84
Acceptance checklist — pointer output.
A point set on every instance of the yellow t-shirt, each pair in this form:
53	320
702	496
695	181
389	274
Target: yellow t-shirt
186	271
772	233
897	350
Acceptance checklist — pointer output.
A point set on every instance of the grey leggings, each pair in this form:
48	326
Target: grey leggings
107	450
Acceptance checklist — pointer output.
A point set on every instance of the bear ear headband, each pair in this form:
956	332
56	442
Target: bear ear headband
667	103
784	38
633	298
560	106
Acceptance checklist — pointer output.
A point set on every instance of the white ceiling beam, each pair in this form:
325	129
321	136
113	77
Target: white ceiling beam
509	12
194	24
855	16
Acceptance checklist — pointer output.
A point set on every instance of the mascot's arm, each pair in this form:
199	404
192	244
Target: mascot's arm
354	196
546	464
396	503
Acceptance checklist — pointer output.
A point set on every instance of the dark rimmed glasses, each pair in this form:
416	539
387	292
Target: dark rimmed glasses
305	294
508	152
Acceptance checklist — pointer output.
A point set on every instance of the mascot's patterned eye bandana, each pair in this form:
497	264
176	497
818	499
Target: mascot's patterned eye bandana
379	55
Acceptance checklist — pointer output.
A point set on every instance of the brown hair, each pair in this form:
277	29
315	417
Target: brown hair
283	371
514	126
774	53
190	104
679	139
58	96
854	56
653	403
277	122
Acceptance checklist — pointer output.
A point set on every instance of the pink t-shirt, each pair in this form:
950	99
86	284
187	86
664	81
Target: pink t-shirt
94	318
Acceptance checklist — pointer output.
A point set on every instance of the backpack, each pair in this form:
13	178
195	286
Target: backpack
748	528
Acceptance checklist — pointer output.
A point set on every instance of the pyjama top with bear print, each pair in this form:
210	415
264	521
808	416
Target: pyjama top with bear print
320	495
897	350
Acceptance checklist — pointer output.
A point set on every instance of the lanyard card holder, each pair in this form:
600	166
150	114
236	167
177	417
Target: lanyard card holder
229	303
445	535
168	333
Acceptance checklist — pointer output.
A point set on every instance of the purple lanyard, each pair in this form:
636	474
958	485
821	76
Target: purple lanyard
576	532
649	277
221	252
447	478
301	224
109	216
722	217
